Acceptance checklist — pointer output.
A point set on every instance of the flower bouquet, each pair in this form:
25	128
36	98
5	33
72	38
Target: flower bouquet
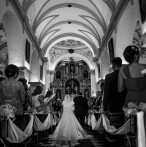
132	109
6	111
31	111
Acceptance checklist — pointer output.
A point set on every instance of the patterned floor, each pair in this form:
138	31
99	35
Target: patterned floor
41	140
92	140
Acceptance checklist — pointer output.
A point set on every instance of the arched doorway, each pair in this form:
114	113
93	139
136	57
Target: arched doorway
34	68
15	39
72	86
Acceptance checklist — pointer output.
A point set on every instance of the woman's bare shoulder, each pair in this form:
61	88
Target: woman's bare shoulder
121	73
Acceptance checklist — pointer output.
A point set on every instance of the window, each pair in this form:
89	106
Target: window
111	49
27	51
58	75
41	72
142	4
98	67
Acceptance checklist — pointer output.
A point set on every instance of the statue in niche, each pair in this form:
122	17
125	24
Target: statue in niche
72	83
72	68
58	75
86	93
76	89
85	74
67	91
58	94
66	69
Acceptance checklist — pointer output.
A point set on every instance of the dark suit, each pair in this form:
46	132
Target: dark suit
81	108
113	100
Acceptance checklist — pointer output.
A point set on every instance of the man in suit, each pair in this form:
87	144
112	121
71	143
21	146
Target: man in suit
81	108
113	101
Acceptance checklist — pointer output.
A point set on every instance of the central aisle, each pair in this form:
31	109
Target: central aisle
40	139
93	140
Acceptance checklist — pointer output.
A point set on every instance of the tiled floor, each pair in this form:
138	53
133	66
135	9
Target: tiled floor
92	140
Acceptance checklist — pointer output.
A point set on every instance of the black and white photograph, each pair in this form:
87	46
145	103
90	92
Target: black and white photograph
72	73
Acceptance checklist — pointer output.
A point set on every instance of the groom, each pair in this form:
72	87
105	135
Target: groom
81	108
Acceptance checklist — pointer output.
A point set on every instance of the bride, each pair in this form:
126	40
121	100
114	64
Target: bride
68	130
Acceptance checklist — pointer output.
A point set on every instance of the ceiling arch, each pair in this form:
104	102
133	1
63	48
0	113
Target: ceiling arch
54	20
96	36
39	18
66	36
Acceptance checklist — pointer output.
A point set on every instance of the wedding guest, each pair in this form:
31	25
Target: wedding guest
102	95
131	76
48	93
102	89
97	100
113	100
48	97
38	100
133	79
57	105
86	95
27	98
11	90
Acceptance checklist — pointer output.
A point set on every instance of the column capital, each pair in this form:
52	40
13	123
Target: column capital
35	83
92	71
23	68
51	72
45	59
95	59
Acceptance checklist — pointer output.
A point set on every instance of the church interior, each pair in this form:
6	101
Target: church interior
68	45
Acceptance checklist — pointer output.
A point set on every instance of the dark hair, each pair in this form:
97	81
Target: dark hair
11	70
49	93
1	73
80	93
24	82
37	90
117	61
130	52
102	84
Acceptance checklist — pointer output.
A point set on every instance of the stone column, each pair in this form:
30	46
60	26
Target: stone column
49	78
93	82
95	60
52	76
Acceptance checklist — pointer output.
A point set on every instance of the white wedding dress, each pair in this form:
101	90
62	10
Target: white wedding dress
68	130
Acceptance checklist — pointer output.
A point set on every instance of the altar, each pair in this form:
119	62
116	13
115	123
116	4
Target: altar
71	77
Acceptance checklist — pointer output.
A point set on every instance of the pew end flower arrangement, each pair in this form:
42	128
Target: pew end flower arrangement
6	112
131	109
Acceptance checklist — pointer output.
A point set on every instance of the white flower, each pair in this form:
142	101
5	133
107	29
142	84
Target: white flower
132	109
7	111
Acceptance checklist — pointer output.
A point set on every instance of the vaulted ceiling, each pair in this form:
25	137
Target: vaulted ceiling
53	21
